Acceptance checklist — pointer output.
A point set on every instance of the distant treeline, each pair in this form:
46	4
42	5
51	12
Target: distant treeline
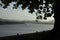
10	22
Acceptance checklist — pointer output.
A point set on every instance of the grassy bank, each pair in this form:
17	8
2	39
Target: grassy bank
31	36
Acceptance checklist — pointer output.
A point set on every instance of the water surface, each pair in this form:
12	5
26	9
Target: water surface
13	29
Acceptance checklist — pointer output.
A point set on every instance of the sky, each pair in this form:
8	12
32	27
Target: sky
18	14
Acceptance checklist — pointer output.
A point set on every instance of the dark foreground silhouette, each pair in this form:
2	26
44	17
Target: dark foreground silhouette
45	35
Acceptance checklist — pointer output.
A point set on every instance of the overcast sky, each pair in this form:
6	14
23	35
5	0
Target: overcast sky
18	14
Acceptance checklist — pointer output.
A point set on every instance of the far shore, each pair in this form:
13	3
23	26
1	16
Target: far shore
5	23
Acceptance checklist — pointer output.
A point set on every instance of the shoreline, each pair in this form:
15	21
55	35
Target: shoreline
29	36
26	23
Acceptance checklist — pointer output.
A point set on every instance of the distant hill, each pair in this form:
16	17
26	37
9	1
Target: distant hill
6	21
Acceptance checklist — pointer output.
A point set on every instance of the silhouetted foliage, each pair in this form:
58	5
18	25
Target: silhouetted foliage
39	17
39	5
0	4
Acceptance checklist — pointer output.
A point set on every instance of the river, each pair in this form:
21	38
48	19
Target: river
13	29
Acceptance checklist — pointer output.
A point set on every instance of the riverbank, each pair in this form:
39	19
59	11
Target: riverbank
30	36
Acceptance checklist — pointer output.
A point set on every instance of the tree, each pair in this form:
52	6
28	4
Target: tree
42	7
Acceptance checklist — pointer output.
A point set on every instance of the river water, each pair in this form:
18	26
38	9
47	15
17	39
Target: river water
13	29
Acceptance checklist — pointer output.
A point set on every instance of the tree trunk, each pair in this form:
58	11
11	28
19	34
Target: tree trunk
56	16
55	33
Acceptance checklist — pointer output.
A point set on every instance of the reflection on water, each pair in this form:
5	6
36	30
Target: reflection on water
13	29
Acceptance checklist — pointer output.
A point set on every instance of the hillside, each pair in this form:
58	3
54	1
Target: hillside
6	21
